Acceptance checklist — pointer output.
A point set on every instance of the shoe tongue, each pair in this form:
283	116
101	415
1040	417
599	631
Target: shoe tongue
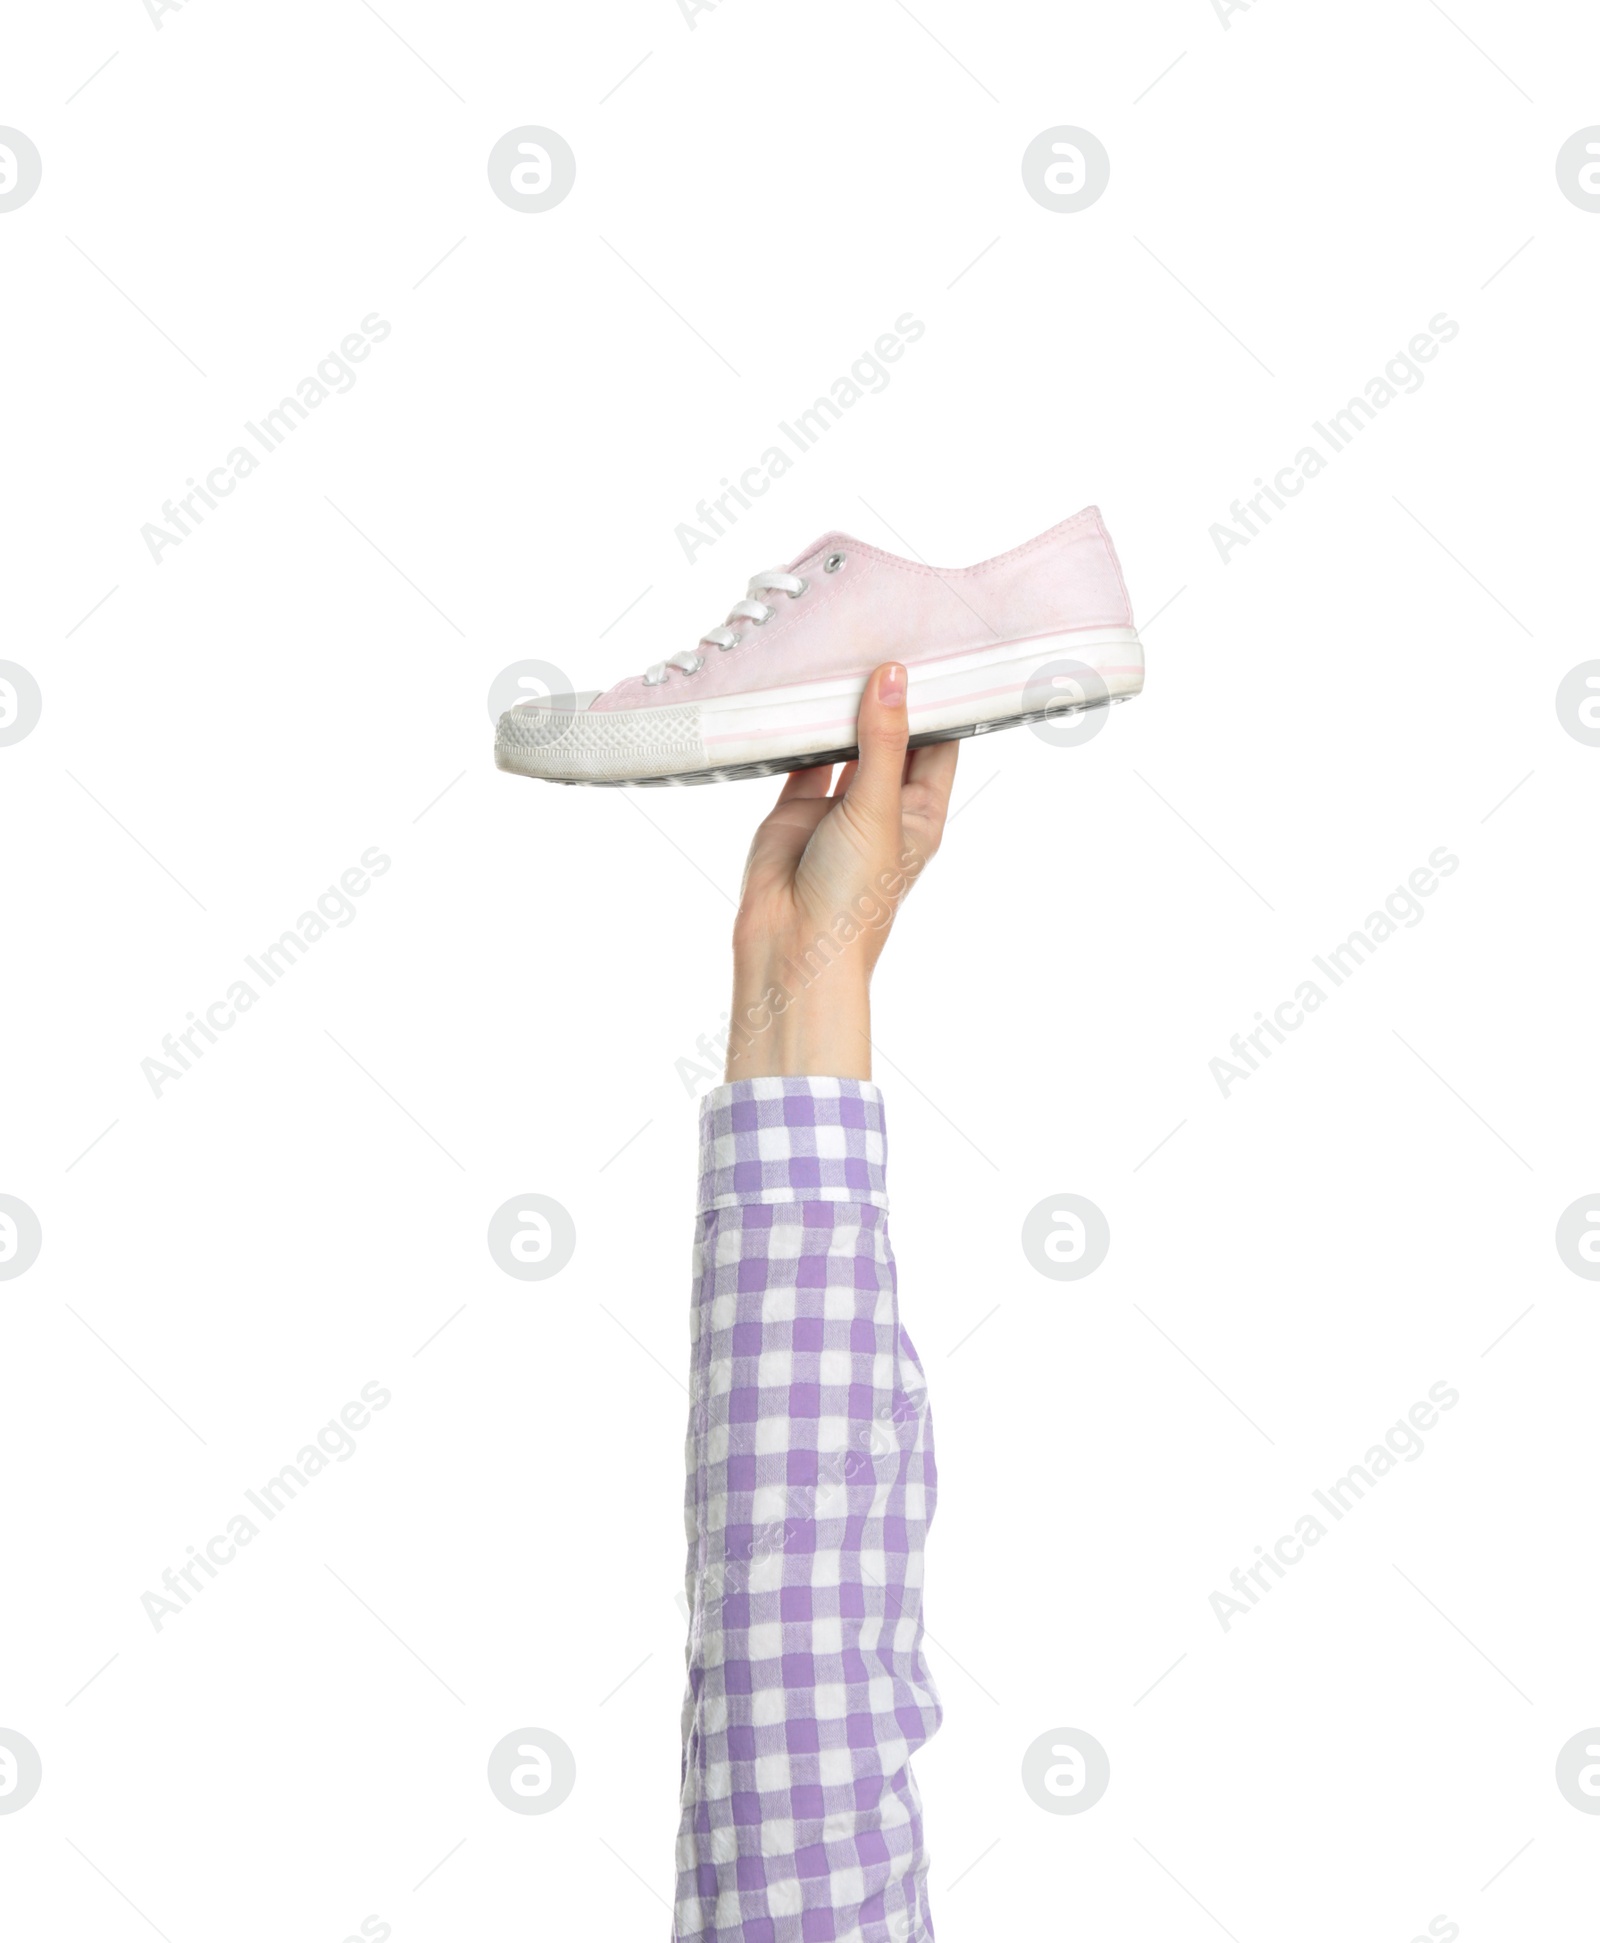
829	543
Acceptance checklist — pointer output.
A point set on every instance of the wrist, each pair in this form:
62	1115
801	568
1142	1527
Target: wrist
798	1015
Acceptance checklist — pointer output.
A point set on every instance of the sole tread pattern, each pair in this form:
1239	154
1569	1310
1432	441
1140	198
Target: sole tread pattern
747	771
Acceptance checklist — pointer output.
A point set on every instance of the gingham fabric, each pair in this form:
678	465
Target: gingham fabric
810	1488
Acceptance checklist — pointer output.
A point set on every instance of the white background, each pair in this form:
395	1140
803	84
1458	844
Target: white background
305	1211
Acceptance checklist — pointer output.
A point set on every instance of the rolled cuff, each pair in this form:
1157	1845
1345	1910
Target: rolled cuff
792	1139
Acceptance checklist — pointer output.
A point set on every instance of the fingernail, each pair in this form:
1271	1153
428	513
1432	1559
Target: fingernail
892	685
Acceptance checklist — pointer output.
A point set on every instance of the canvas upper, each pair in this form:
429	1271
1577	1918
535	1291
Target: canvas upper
875	607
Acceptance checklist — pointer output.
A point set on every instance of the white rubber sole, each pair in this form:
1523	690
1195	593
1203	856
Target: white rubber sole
809	723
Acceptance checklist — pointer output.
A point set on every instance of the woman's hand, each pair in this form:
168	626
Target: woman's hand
827	871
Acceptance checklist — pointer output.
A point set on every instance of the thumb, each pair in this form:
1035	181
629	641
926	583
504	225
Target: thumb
882	731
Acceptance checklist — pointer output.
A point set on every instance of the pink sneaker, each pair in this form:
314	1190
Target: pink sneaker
1038	631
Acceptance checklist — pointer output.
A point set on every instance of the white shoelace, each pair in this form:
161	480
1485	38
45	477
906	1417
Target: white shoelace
752	609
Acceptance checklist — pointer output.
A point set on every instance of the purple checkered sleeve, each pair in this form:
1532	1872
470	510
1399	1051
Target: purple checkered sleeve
810	1488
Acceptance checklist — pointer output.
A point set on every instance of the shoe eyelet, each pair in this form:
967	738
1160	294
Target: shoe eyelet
804	584
699	663
833	563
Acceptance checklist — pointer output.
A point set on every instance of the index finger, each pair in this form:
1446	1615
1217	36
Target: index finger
934	767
